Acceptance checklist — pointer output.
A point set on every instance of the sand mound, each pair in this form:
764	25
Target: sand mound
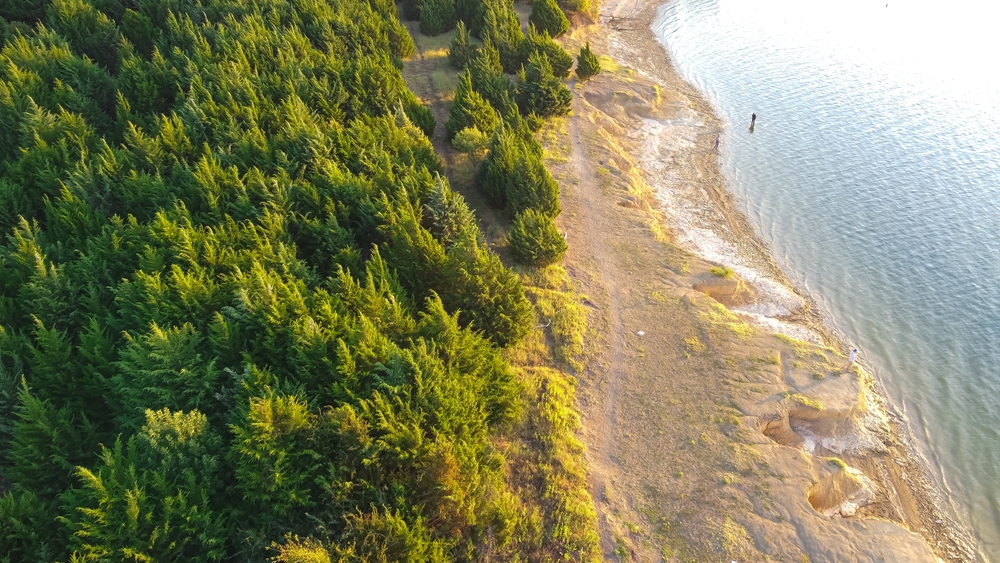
731	291
841	493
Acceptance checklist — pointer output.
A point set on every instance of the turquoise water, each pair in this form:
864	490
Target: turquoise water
874	174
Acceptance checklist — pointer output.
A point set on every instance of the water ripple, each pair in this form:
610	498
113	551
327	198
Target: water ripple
874	173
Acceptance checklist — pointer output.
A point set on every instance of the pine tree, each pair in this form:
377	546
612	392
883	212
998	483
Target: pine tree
514	178
88	30
151	499
422	117
587	64
411	9
540	42
470	110
462	51
272	454
532	187
471	12
498	167
48	442
436	16
540	92
446	215
535	240
28	11
502	28
490	81
547	16
489	297
164	368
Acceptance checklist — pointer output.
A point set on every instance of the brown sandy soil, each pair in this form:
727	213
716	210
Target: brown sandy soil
697	423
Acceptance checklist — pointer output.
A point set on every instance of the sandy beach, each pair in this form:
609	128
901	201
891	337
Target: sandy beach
708	434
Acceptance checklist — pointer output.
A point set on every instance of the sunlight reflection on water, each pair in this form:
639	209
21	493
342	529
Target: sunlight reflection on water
874	173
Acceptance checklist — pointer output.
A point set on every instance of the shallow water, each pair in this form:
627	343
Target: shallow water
874	174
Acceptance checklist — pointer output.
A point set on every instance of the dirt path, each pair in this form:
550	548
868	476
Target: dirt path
604	427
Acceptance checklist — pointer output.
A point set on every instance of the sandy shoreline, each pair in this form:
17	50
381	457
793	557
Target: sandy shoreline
907	493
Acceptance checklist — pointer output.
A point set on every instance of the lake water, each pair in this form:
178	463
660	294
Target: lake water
874	174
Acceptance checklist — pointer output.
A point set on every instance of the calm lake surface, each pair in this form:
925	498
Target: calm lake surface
874	174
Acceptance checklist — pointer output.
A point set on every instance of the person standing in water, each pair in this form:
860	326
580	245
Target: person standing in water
850	359
753	119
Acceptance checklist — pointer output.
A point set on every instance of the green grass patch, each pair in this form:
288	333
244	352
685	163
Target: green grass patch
556	459
559	311
444	81
433	46
800	348
837	462
804	401
608	64
718	315
722	271
694	344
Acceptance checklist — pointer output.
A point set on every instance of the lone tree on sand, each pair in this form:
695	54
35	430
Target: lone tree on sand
587	64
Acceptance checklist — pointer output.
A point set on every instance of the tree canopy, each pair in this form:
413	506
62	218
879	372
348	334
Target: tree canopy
242	314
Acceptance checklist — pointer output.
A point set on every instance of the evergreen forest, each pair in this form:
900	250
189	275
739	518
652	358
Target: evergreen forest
243	315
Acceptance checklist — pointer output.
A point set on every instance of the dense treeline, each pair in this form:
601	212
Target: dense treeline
242	314
488	104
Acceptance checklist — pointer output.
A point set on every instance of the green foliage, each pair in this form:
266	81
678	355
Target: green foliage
420	116
488	295
471	141
470	110
540	42
164	369
446	215
540	92
535	240
150	501
272	454
587	64
411	9
436	16
579	6
89	31
295	550
512	174
502	28
48	444
27	11
462	50
489	80
546	16
239	303
722	271
28	528
471	12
